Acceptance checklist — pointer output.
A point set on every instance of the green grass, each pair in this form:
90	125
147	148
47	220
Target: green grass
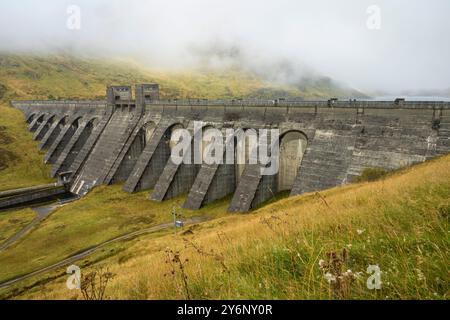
107	212
401	228
399	223
414	260
21	162
372	174
12	222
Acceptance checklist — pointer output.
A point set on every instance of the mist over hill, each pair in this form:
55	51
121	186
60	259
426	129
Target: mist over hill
68	77
428	93
292	42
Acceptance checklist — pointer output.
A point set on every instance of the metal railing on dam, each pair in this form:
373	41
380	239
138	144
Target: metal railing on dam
247	103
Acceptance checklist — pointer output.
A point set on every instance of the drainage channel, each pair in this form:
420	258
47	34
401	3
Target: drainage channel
34	196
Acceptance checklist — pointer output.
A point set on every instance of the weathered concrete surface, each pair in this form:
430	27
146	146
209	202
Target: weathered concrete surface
70	151
43	128
128	141
213	181
63	138
247	188
53	132
176	179
80	159
103	153
152	160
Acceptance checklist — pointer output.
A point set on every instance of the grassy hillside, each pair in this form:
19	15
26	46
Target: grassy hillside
65	77
58	76
293	249
105	213
13	221
21	162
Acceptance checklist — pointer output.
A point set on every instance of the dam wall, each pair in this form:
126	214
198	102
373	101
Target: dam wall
323	144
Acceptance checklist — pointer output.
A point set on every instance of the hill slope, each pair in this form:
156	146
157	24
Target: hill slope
297	248
59	76
21	162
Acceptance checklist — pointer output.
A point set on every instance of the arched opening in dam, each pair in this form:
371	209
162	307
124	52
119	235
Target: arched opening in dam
292	148
45	128
31	118
157	160
178	178
146	132
135	150
38	122
56	150
259	187
78	145
245	142
55	133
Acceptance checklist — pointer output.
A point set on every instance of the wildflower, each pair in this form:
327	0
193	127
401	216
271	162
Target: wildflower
348	273
360	231
329	277
322	264
420	275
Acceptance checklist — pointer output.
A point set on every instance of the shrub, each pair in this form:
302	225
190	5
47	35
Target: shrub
371	174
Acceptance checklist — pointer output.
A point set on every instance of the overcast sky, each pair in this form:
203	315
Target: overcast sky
409	50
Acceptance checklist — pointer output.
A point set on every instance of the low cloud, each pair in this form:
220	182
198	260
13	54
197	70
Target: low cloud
285	41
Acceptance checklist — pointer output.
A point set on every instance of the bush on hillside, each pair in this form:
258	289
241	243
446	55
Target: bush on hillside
371	174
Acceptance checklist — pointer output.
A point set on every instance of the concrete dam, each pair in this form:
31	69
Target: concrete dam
323	144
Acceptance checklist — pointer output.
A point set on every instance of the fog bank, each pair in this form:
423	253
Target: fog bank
405	46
